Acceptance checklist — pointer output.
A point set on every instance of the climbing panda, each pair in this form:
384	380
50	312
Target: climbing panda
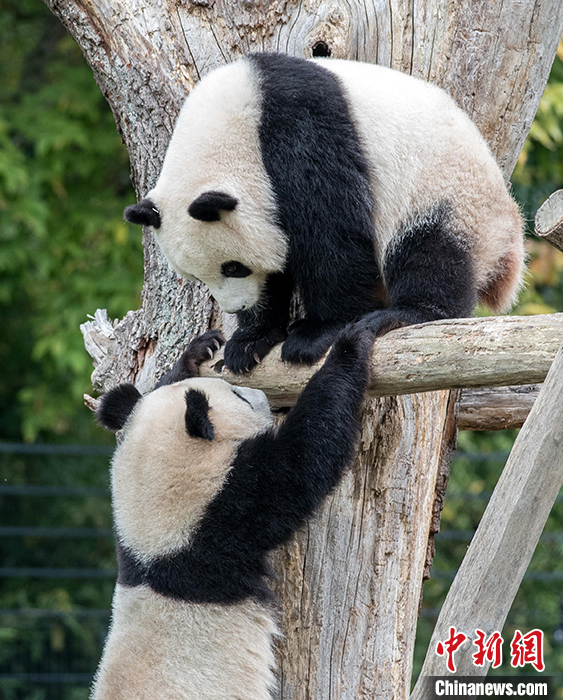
203	487
367	191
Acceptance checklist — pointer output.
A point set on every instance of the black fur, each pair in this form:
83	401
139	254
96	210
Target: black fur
208	206
319	174
144	213
197	420
199	350
261	327
429	275
235	269
309	340
129	571
277	480
116	406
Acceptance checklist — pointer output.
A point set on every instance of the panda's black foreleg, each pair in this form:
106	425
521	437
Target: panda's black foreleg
429	276
309	340
262	327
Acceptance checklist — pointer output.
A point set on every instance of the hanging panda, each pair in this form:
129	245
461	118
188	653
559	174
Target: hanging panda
366	190
203	488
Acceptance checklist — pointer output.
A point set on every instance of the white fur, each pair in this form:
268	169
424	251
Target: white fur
163	649
159	648
215	147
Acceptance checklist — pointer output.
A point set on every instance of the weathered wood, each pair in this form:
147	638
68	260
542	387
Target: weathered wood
498	408
146	55
453	354
449	441
488	579
549	220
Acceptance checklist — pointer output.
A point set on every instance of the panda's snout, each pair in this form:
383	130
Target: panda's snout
256	398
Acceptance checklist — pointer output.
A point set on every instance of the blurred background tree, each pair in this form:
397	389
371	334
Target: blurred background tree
64	249
64	252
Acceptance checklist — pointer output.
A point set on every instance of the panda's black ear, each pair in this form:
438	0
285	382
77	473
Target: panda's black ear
198	424
208	206
145	213
116	406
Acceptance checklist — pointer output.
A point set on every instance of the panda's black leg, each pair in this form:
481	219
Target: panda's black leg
309	340
429	276
260	328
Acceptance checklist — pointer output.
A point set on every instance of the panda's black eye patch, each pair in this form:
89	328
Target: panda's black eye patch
235	269
208	206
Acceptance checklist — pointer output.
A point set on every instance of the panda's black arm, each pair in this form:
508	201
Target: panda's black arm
261	327
279	479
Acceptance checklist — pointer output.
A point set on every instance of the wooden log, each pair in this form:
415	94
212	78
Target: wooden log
502	351
453	354
549	220
488	579
496	408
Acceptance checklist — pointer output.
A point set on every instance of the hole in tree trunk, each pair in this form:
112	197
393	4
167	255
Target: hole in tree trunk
320	49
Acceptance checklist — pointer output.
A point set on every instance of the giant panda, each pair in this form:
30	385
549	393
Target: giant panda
366	190
203	488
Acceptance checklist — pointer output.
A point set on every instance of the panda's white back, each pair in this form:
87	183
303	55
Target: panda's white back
165	649
423	148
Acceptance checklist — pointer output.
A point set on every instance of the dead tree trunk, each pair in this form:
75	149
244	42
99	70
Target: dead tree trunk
350	584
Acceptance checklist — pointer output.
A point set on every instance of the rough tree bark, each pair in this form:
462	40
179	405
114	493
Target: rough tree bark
351	582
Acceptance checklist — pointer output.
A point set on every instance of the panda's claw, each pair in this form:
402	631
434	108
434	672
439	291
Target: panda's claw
211	353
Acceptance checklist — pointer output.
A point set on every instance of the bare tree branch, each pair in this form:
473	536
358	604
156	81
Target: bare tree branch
498	408
549	220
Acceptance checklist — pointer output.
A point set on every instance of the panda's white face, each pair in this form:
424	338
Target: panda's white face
163	477
213	200
223	250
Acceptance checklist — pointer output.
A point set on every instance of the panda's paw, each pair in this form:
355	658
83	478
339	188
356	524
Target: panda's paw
204	346
308	341
200	349
354	344
246	350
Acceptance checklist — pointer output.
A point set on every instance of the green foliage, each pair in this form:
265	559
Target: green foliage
64	252
64	248
539	170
